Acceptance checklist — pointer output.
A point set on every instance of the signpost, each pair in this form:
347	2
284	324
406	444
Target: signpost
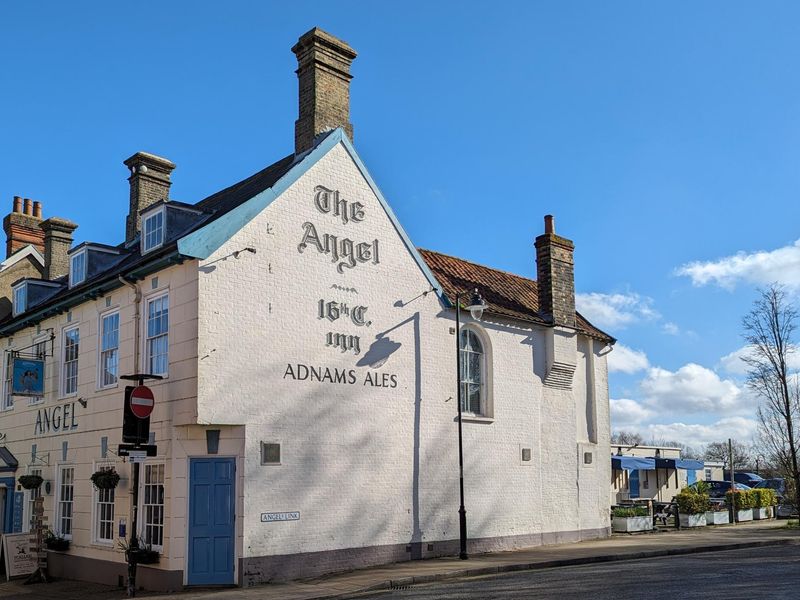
139	403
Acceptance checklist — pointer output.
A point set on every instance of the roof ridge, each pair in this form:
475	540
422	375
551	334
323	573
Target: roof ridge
472	262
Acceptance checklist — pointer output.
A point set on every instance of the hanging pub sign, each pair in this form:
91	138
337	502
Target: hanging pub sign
28	377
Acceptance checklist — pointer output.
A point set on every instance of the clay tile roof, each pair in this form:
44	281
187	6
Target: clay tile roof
505	294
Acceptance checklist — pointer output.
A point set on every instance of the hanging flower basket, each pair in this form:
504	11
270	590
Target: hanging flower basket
105	479
30	482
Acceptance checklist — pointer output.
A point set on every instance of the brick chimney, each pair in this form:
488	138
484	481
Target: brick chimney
323	72
57	242
22	226
150	181
555	273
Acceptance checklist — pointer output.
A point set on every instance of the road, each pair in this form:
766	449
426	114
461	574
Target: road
771	572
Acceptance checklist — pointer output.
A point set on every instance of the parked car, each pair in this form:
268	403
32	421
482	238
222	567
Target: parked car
778	484
718	489
745	477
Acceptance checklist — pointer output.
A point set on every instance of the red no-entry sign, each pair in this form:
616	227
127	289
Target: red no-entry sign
142	401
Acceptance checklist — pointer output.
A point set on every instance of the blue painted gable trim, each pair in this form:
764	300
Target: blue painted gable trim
206	240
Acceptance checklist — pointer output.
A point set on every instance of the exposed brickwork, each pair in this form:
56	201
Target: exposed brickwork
22	226
555	273
150	182
57	242
324	77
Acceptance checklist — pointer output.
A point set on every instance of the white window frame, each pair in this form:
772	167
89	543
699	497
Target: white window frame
161	294
101	383
145	523
64	332
83	256
58	502
8	374
20	305
486	396
97	506
146	219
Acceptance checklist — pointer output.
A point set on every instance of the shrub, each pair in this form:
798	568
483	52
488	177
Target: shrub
741	499
621	512
701	487
691	502
764	497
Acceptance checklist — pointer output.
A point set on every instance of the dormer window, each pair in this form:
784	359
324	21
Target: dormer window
77	269
152	231
20	299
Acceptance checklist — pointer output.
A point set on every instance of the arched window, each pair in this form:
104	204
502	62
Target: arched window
473	373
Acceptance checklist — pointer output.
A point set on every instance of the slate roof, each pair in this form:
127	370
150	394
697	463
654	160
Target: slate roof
214	205
505	294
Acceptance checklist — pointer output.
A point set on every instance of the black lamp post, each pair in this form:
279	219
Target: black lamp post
476	308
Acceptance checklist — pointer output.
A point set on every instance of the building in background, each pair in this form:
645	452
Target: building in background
651	473
306	419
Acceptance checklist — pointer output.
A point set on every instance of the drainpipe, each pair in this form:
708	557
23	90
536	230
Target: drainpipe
137	301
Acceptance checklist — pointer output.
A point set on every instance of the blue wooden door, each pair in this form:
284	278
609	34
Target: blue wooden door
212	535
633	481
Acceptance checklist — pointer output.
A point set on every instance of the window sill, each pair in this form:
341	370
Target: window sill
476	419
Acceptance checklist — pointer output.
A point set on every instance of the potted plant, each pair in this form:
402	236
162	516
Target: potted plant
630	519
717	514
742	502
692	507
144	555
54	541
765	499
30	482
105	479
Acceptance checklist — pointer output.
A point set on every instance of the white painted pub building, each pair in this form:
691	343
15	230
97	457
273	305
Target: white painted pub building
306	421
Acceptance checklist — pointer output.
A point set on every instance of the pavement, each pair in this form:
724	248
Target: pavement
400	575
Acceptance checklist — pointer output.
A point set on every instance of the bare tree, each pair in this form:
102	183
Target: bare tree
718	452
626	438
769	329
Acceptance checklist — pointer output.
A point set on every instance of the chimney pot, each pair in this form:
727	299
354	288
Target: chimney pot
37	209
323	73
21	227
549	224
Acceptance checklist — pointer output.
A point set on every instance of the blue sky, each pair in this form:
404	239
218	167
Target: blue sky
659	134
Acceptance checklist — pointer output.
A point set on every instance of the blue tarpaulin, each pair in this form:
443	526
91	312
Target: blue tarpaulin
679	463
633	463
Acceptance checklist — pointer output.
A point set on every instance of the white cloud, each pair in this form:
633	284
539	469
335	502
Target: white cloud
615	311
628	414
739	428
691	389
671	329
733	363
626	360
761	268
